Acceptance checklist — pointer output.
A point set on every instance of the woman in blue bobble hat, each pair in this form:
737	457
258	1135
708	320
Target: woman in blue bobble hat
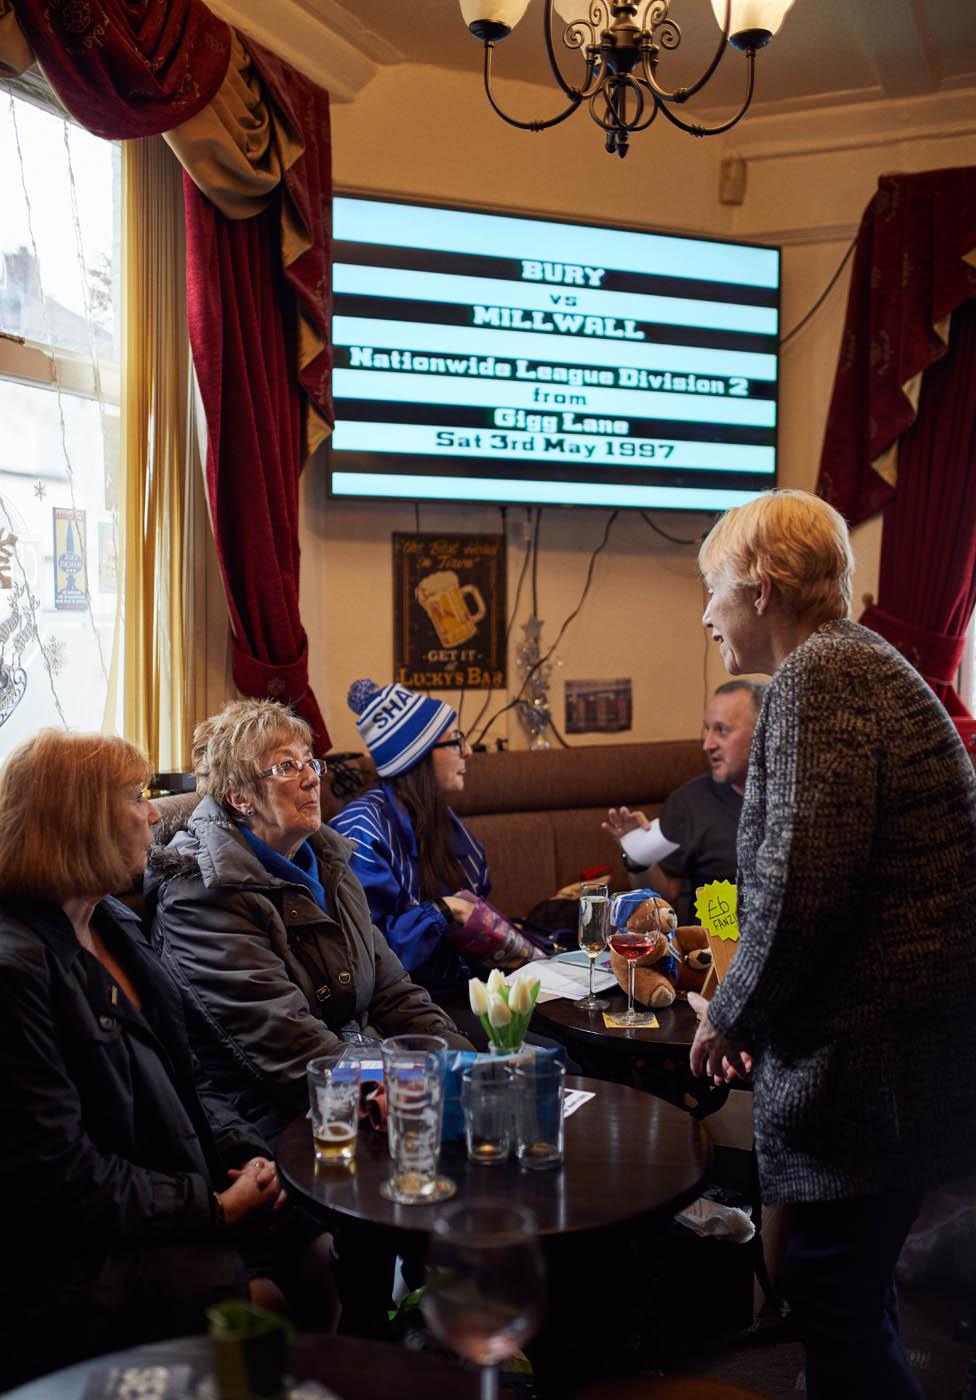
424	874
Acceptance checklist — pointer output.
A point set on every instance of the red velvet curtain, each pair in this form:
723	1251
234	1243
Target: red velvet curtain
909	274
250	310
927	583
308	191
906	379
126	68
236	296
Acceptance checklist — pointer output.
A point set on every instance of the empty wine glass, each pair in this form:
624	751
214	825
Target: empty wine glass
485	1283
594	924
630	944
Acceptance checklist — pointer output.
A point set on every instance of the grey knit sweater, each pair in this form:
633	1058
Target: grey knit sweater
855	979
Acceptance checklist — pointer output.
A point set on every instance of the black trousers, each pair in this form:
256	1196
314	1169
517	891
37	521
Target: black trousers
839	1280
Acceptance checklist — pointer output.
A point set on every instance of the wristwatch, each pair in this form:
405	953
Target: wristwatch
444	908
634	866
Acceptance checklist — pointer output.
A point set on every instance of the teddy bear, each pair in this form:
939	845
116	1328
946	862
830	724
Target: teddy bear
679	960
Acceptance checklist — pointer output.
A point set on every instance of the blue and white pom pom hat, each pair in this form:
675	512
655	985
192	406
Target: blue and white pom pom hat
398	726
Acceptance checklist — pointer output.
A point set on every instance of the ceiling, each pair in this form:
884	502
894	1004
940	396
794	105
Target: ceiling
828	51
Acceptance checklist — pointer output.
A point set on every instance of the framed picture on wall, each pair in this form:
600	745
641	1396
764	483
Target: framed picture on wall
449	611
599	707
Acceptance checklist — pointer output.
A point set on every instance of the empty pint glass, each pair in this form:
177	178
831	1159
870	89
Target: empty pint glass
413	1072
540	1088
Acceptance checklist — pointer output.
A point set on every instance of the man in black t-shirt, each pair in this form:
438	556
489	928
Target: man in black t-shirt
693	840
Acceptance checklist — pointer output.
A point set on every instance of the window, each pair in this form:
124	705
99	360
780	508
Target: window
59	420
966	684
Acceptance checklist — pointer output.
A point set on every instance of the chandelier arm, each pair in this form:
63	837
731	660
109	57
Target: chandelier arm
523	126
694	130
557	72
682	94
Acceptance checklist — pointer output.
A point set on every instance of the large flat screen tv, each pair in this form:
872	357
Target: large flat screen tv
484	357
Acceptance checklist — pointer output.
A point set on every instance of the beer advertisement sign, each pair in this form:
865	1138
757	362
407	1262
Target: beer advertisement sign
449	620
70	560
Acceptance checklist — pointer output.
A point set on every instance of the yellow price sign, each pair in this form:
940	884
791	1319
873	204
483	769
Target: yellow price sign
716	907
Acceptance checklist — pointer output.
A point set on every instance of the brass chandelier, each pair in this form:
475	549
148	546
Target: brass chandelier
621	42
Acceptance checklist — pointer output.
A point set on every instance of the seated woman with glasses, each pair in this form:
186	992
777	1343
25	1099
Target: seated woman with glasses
257	913
132	1195
421	868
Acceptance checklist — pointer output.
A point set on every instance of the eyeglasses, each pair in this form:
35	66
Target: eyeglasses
291	767
459	742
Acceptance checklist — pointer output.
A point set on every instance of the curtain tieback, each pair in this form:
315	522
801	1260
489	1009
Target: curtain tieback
287	683
935	654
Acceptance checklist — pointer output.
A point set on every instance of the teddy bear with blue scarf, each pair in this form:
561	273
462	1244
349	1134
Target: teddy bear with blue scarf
679	960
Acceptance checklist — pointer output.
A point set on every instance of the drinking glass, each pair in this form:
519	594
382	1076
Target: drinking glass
333	1096
488	1102
630	945
594	922
413	1072
485	1283
540	1089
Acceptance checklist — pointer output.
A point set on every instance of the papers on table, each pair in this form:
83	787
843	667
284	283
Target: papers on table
567	975
576	1098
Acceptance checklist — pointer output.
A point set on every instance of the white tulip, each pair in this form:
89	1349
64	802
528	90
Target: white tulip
496	981
498	1013
520	997
478	996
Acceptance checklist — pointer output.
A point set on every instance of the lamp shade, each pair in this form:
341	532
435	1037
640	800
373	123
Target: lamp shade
506	13
752	15
569	11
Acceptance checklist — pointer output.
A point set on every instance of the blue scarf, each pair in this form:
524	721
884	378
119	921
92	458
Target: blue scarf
302	869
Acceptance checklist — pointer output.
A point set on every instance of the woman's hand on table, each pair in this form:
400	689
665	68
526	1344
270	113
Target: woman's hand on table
621	820
722	1059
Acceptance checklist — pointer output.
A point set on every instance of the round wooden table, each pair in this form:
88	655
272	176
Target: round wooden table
628	1156
631	1161
673	1034
354	1369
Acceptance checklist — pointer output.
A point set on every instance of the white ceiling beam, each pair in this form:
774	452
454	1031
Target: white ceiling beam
319	38
892	34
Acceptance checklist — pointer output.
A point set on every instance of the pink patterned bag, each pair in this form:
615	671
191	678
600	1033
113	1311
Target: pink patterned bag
486	936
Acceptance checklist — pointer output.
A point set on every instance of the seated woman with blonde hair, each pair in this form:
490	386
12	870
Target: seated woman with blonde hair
125	1183
259	917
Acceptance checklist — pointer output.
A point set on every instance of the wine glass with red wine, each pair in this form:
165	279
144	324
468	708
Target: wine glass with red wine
630	944
485	1289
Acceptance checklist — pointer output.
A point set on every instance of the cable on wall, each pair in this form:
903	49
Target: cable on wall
672	539
562	631
784	340
526	560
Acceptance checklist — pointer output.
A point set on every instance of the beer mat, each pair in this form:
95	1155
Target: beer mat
614	1022
574	1099
139	1383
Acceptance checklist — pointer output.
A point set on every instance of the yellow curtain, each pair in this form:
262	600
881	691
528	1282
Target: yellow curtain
155	380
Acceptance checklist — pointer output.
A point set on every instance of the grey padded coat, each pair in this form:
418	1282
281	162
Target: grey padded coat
271	980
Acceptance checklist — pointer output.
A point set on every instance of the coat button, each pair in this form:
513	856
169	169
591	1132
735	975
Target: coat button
107	1023
344	978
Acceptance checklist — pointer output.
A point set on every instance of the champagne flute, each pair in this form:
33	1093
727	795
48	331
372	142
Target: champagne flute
485	1283
630	944
594	922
